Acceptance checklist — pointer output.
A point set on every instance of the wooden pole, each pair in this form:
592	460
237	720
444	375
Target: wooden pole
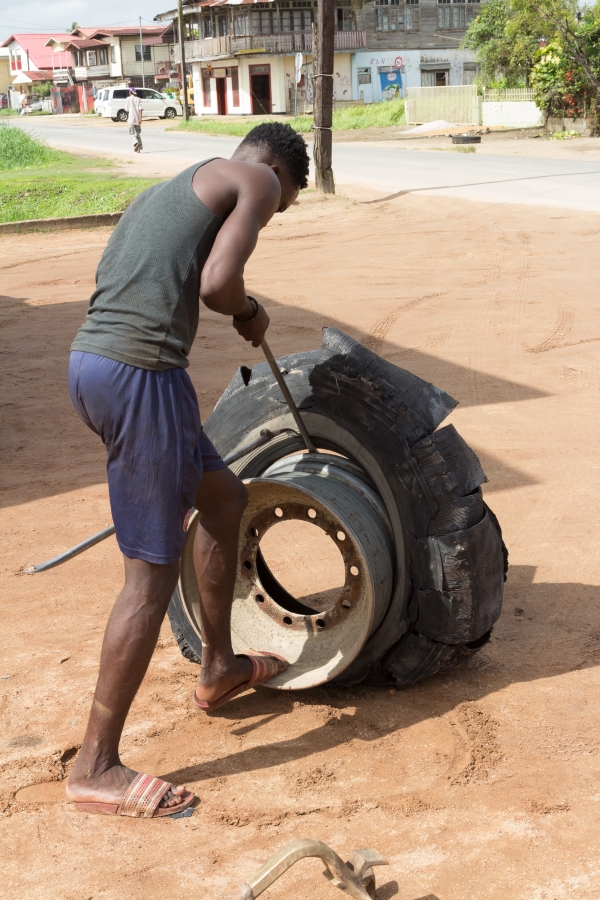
181	30
323	38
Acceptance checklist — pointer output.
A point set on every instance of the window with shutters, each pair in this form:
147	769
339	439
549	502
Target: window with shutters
389	15
138	53
454	15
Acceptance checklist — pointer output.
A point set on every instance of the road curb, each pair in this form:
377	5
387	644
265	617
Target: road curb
92	221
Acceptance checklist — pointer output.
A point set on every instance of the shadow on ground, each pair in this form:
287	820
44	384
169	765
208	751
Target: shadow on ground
46	449
545	630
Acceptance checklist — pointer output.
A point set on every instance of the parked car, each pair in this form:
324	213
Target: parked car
3	101
35	106
100	100
114	106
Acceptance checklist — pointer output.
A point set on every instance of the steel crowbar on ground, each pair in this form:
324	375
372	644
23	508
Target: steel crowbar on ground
354	877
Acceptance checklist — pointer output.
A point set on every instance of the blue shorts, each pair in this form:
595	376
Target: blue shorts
157	450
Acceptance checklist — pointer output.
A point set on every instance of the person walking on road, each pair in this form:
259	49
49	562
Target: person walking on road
179	242
134	119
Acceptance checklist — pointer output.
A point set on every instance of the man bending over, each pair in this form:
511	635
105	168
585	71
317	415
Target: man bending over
179	242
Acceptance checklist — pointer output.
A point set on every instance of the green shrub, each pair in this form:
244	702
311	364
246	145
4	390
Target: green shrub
18	150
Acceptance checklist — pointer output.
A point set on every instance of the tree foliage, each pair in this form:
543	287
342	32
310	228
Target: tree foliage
505	40
551	45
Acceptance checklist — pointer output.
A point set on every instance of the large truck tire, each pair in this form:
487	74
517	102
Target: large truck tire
449	563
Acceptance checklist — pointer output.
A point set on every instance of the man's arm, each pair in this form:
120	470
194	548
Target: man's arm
222	286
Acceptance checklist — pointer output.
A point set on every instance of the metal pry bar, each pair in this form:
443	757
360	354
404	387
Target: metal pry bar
265	437
349	877
288	397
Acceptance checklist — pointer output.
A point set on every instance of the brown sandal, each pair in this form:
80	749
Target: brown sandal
141	800
264	667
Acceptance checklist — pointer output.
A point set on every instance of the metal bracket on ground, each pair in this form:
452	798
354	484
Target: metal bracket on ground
355	877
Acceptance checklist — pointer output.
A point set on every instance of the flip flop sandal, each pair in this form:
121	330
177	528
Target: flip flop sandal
264	667
141	800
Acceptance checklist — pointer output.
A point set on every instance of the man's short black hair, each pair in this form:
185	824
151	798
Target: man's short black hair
287	146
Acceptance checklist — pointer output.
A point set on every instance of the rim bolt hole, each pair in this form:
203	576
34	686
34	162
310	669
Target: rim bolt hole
353	570
247	564
259	598
312	514
278	512
254	532
346	604
287	620
321	623
341	536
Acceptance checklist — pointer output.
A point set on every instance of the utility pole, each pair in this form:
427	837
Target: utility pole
142	54
181	30
323	38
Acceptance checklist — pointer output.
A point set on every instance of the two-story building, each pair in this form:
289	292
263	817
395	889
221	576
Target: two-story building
103	57
32	62
241	53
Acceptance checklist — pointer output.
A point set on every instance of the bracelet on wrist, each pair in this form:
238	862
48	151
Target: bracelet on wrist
254	304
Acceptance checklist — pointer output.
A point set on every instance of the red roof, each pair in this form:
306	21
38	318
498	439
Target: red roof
40	56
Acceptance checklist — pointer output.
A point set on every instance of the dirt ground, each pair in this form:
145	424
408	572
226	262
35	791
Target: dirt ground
482	783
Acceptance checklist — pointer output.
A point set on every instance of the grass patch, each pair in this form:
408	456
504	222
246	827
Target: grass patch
234	128
468	149
19	150
373	115
41	183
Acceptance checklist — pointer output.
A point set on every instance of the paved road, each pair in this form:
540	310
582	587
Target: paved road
492	179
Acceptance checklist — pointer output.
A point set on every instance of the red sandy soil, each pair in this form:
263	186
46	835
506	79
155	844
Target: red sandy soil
482	783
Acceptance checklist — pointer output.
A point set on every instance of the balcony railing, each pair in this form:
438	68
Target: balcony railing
61	76
82	73
265	43
165	68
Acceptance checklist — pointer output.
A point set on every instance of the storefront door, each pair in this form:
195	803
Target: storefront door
221	96
260	87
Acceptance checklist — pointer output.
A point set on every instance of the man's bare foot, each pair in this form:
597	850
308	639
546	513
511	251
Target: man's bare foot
217	678
110	787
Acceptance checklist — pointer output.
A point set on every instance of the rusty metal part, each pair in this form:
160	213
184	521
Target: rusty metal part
319	644
355	877
288	397
265	436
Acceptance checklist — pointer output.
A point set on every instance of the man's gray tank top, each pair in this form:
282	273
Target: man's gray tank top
145	309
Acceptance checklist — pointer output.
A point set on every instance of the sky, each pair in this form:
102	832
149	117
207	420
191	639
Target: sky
57	15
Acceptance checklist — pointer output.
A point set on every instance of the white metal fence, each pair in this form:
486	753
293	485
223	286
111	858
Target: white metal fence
458	105
510	95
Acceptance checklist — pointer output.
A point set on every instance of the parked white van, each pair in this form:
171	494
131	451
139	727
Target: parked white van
112	103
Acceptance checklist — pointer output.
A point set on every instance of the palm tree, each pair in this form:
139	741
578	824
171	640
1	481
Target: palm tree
73	26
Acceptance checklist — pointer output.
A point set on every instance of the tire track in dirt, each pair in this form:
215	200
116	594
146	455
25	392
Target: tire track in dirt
382	328
563	328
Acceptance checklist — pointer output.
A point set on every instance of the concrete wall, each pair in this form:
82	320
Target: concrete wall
278	84
511	115
411	66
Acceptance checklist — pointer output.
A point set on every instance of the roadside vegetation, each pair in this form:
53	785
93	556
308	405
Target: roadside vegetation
550	46
41	183
373	115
